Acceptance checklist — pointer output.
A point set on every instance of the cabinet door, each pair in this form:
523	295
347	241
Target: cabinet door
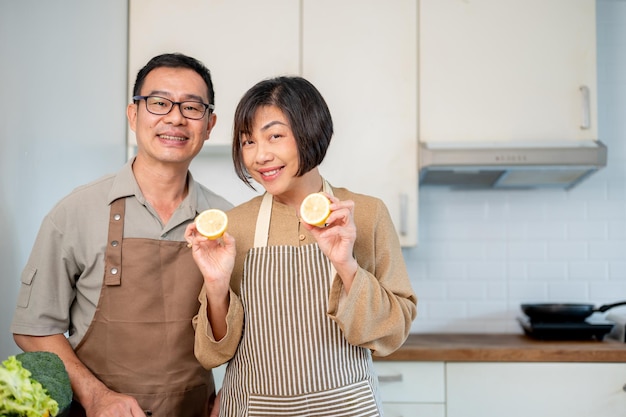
362	55
240	41
535	389
507	70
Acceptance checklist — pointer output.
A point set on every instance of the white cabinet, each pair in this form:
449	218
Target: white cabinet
536	389
507	71
362	55
412	388
240	41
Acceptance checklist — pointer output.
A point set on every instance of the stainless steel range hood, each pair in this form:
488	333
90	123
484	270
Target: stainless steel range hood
510	166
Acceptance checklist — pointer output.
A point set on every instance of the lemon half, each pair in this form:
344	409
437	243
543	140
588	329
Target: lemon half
315	209
211	223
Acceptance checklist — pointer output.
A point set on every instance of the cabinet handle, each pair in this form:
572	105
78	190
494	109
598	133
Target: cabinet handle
623	388
586	124
390	378
404	212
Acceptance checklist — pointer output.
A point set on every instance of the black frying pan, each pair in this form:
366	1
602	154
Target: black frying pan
558	313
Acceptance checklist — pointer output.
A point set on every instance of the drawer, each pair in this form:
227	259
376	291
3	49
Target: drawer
411	381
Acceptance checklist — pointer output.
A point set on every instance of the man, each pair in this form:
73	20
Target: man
110	267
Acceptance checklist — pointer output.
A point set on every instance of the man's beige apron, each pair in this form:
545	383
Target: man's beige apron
293	359
141	339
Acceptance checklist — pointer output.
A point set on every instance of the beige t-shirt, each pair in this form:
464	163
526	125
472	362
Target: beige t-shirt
61	282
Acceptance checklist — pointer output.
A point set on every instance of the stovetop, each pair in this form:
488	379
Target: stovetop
583	330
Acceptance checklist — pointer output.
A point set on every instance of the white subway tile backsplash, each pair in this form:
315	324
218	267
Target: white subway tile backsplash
528	291
466	291
526	250
497	290
617	230
486	271
617	270
522	211
567	250
448	309
445	271
568	292
606	210
567	211
546	231
464	250
497	211
616	65
484	231
588	271
488	309
495	251
517	271
609	251
547	271
607	292
516	230
591	230
465	211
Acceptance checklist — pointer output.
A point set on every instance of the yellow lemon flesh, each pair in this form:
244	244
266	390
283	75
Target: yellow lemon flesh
315	209
212	223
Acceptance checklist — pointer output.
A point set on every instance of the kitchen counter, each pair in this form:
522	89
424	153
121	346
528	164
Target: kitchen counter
504	348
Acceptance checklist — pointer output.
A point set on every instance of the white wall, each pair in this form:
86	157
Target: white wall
482	253
62	117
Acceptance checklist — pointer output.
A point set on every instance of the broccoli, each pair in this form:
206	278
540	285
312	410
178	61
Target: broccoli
22	396
34	384
48	369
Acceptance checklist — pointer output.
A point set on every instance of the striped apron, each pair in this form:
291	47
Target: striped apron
293	359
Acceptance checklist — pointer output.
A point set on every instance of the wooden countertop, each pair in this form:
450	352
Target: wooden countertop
504	348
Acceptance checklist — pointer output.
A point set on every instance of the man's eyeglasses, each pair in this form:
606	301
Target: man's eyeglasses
161	106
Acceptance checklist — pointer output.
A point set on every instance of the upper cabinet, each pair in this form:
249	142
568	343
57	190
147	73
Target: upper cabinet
240	41
507	71
362	55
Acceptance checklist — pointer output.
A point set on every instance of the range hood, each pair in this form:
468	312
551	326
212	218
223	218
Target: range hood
510	165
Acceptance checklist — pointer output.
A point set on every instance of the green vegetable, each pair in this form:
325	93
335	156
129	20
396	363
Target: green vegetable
48	369
33	384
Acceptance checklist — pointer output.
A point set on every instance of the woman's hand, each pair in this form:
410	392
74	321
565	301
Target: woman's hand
336	239
215	259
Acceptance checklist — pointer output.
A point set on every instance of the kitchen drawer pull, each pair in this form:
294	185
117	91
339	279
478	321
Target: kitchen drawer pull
586	124
390	378
404	213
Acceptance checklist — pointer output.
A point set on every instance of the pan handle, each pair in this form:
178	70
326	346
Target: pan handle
606	307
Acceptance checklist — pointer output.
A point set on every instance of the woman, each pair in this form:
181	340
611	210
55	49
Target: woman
318	302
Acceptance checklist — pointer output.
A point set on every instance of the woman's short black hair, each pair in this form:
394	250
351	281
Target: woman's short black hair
305	109
175	60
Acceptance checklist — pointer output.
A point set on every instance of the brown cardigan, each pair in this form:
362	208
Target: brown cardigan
378	311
